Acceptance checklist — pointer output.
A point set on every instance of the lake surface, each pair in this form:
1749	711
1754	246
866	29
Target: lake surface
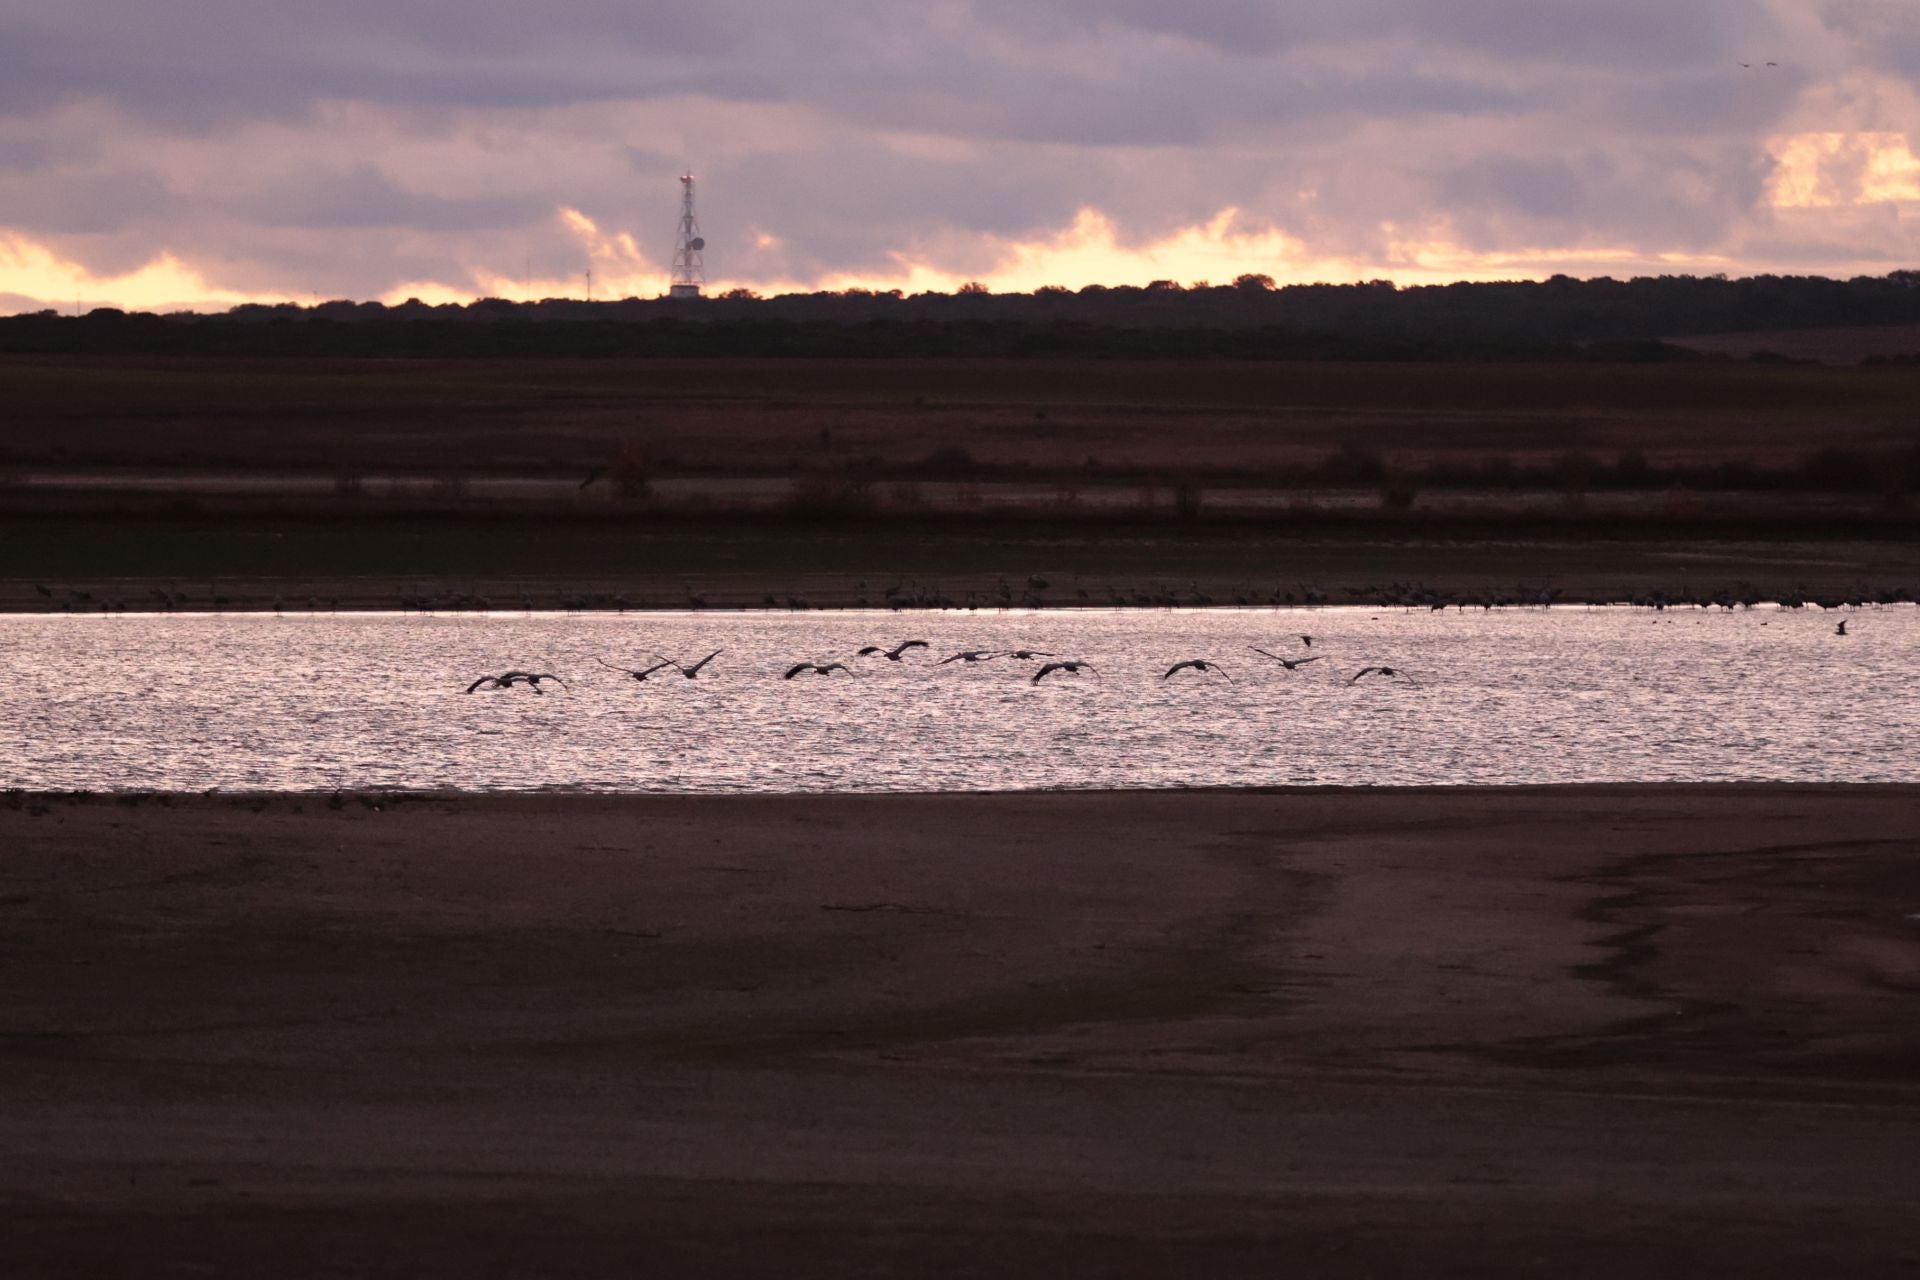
317	702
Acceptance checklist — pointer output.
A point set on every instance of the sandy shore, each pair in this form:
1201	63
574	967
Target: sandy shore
1559	1031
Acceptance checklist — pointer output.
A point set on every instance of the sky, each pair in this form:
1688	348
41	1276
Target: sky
203	153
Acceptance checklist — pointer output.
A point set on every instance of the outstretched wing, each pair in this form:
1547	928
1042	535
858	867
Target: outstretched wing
1047	670
1301	662
1263	653
911	644
1179	666
548	675
872	648
482	680
642	675
796	669
695	668
1364	671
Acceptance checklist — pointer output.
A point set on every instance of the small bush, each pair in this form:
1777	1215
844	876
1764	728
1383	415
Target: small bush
949	461
1398	493
1353	463
632	475
832	491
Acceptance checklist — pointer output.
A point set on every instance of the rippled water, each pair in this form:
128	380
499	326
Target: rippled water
1565	695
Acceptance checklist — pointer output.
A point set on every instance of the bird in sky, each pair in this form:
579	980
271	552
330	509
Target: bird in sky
1290	664
508	679
1389	672
893	654
1198	664
694	670
970	657
820	668
1071	668
642	674
1027	655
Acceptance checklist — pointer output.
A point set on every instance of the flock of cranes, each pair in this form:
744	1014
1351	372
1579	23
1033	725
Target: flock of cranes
967	657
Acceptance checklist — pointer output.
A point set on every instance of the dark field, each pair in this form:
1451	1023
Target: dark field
1829	346
232	481
152	559
769	415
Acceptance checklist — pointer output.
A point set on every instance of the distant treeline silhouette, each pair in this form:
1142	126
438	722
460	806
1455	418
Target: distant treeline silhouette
1249	319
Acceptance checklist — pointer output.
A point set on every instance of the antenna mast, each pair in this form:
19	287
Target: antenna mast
689	267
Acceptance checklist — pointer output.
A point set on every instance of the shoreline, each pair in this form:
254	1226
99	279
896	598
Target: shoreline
531	795
40	801
16	601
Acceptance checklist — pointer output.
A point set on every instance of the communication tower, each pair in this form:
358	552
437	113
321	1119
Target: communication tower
689	268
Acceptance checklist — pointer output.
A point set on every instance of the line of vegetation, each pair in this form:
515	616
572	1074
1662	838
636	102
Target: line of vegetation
1351	466
1558	319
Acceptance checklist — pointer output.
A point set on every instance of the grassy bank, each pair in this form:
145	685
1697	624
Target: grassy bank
135	556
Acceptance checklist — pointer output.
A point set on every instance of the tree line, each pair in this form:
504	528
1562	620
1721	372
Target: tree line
1249	318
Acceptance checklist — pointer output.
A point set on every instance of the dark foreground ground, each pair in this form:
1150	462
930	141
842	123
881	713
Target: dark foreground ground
1565	1032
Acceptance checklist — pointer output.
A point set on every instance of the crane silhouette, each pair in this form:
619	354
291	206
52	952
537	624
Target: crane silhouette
508	679
893	654
640	674
1291	664
819	668
692	671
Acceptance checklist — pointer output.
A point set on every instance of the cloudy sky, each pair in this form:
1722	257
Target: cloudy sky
212	151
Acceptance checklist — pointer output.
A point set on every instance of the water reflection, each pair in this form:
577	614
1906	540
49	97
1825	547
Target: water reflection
1566	695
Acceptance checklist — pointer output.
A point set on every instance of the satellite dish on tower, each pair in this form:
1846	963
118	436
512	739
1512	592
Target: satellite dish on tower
689	271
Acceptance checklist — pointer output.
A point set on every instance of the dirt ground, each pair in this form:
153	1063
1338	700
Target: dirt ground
1564	1031
560	417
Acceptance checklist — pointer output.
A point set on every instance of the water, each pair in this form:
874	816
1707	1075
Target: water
316	702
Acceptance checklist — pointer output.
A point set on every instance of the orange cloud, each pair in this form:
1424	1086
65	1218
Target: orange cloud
32	270
1837	170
